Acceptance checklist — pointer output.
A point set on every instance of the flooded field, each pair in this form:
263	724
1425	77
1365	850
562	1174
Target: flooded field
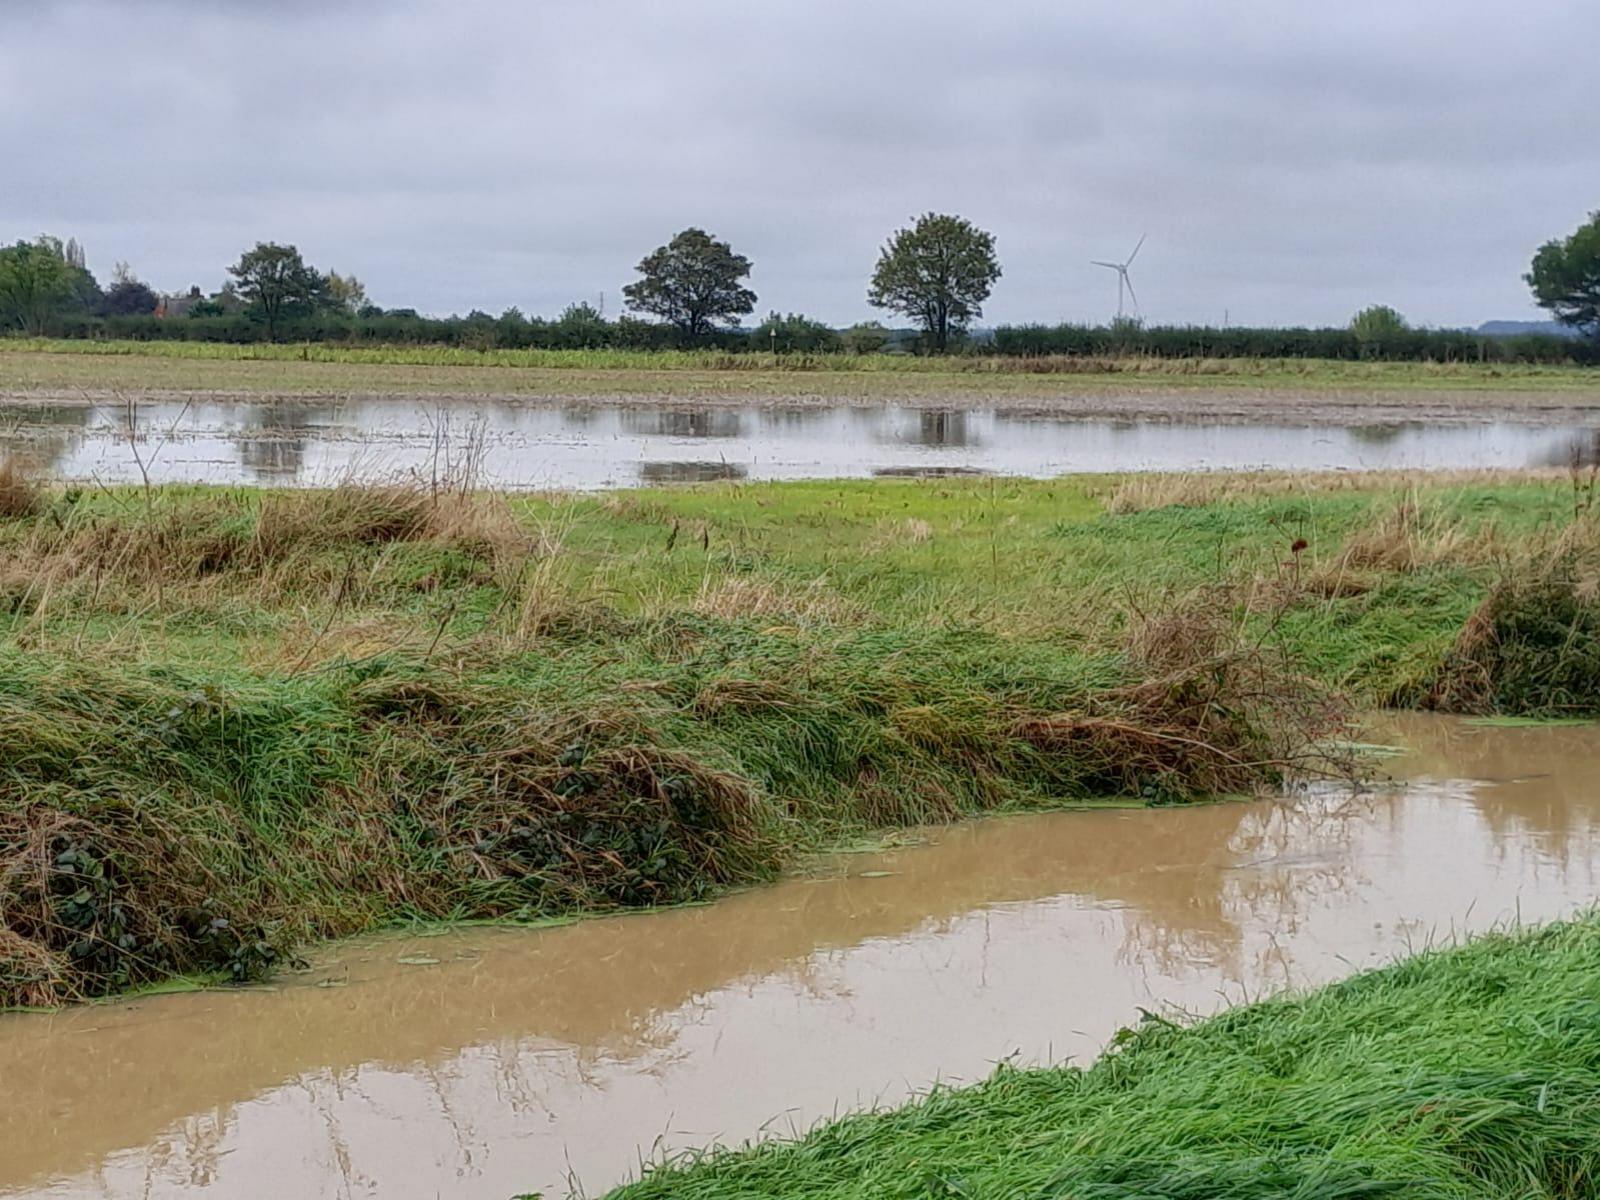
482	1063
287	442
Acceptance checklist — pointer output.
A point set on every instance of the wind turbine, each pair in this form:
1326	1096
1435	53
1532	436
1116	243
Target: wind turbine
1121	268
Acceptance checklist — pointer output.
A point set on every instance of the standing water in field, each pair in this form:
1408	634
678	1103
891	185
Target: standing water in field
284	442
482	1063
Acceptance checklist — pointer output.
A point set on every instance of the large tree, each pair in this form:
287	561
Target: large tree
275	282
1565	277
695	282
939	272
36	281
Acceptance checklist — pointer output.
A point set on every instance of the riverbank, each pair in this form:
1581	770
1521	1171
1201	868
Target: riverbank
423	1062
237	721
66	372
1457	1073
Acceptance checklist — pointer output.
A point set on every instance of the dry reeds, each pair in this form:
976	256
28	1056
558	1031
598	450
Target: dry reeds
19	492
906	531
162	556
1532	647
736	597
1192	631
1154	490
375	514
294	522
1408	539
719	696
1230	724
1215	714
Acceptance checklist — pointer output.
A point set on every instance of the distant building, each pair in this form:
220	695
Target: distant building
178	306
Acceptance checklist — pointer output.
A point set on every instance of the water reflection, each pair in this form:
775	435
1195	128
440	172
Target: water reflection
692	423
1542	800
929	427
274	439
945	429
791	420
1580	451
690	472
528	444
931	471
274	460
495	1058
1377	435
44	438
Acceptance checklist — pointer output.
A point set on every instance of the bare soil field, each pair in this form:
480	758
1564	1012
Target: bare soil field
1331	393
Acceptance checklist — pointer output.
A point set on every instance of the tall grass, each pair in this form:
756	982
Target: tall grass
1533	646
1456	1075
231	721
19	490
440	729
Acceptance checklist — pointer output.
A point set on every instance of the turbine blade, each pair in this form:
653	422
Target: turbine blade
1136	250
1128	279
1095	262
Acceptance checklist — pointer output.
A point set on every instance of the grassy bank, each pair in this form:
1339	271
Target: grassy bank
1471	1072
233	721
45	364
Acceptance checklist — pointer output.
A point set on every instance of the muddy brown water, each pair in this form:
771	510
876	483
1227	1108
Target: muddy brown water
482	1063
522	444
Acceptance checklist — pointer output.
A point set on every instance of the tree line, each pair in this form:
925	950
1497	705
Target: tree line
936	273
1349	343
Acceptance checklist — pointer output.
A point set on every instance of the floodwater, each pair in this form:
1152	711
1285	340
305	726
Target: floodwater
286	442
483	1063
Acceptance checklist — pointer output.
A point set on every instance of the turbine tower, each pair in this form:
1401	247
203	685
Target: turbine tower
1123	281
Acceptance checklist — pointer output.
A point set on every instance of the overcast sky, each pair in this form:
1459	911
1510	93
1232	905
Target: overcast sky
1291	161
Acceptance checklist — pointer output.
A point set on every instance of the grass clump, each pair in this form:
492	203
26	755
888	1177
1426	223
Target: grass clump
232	721
1458	1074
157	820
1216	716
19	492
294	522
152	825
1532	648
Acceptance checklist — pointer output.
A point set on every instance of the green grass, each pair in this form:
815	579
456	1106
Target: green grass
1460	1074
66	364
1037	564
308	714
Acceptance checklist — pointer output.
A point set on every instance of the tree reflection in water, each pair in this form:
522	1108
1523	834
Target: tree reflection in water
690	472
521	1051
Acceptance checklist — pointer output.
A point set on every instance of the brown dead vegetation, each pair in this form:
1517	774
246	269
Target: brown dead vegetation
1218	714
1409	538
19	492
1233	724
1533	646
308	547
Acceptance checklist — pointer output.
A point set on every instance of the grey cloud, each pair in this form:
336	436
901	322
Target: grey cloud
1290	162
